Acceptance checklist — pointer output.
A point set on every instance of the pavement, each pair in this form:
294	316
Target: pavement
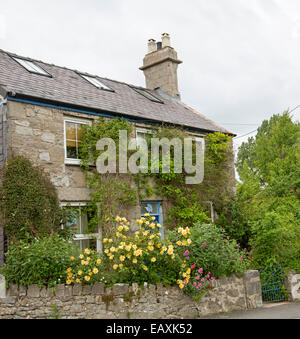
281	310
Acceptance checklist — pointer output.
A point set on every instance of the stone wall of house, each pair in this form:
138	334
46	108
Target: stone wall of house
130	302
38	133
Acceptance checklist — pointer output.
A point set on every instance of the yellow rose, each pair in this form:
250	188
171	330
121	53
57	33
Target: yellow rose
105	240
95	270
121	265
81	256
90	273
170	251
111	257
189	241
79	272
87	251
122	258
87	278
181	286
69	269
106	251
134	261
112	249
110	240
72	258
179	243
69	282
153	259
118	219
145	268
115	267
78	281
99	261
120	229
147	215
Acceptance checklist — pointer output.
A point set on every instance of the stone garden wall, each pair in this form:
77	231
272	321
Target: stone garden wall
129	302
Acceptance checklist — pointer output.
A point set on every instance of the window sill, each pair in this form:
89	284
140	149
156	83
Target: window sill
76	162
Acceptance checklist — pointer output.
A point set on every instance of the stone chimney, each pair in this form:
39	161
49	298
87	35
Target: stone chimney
160	66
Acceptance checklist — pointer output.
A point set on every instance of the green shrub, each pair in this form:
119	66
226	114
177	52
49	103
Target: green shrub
42	261
28	201
212	251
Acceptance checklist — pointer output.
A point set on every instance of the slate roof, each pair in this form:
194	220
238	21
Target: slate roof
66	87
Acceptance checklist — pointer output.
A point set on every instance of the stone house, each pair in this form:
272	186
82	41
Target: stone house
43	106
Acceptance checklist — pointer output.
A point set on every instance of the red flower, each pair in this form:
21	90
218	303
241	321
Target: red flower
193	266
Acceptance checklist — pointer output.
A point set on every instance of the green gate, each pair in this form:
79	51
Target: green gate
272	282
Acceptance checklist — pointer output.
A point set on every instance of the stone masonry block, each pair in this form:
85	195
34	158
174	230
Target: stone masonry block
120	289
33	291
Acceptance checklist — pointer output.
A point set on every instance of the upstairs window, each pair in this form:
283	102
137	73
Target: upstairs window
31	67
147	95
73	138
96	82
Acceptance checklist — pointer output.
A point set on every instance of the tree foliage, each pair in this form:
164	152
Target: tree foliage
269	191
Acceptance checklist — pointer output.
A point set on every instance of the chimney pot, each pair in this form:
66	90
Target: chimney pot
166	41
151	46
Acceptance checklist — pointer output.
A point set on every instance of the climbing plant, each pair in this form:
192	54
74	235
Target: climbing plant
188	203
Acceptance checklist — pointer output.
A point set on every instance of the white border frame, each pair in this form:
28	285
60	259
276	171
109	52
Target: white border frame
78	237
70	161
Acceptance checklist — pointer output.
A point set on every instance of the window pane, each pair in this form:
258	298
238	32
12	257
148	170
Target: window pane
73	222
70	130
74	132
151	208
95	82
31	67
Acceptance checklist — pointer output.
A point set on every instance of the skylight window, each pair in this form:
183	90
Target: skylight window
147	94
31	67
94	81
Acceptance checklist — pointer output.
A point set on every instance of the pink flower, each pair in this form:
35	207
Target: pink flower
193	266
204	244
186	253
195	284
198	277
200	285
212	279
202	279
241	257
200	270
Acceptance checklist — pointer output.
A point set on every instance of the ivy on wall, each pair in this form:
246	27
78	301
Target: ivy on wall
188	203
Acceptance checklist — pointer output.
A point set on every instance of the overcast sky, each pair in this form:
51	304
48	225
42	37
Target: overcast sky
241	58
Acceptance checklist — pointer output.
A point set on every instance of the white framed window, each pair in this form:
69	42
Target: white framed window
78	224
96	82
142	134
31	66
72	139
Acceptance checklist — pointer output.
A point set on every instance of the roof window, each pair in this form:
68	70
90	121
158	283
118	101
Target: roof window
31	66
147	94
97	83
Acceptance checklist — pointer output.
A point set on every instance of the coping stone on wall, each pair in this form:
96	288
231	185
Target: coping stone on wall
2	287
